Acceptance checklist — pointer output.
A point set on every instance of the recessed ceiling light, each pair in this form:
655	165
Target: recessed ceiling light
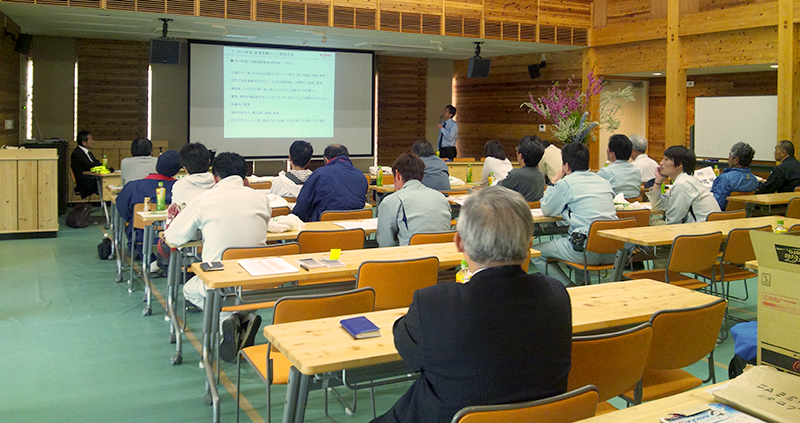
656	73
774	66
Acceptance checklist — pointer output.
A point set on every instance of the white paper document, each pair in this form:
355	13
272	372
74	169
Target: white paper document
267	266
369	224
706	176
537	213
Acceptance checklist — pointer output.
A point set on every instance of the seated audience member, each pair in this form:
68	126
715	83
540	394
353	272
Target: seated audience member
135	191
786	176
82	160
195	159
503	337
527	180
496	162
437	174
230	214
623	176
141	164
580	197
645	164
448	134
336	186
288	184
550	164
688	200
413	207
737	177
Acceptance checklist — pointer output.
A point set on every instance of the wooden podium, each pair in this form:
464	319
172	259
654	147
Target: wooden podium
28	192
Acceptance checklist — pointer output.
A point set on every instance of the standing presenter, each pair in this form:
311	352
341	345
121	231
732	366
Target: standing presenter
448	133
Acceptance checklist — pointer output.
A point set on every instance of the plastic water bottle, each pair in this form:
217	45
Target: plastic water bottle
379	178
463	274
490	181
716	170
780	229
469	173
105	161
161	197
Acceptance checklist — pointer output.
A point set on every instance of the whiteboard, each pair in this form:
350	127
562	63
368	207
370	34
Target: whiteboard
721	122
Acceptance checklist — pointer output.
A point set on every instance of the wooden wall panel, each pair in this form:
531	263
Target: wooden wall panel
112	93
632	57
573	13
8	195
708	5
503	9
735	84
488	108
9	85
402	85
742	47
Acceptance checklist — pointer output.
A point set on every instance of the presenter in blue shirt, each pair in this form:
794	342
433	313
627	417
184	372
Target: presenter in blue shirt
448	133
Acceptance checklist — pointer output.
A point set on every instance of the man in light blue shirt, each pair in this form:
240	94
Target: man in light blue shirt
413	207
448	133
580	197
623	176
737	177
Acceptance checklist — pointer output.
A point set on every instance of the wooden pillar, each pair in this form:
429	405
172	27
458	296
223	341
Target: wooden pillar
675	127
589	60
599	13
787	70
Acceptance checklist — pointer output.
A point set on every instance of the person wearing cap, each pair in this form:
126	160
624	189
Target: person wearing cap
134	192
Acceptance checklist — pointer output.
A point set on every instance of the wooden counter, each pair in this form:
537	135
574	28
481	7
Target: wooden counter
29	191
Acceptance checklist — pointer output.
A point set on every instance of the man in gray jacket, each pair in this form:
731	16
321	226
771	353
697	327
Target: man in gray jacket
413	208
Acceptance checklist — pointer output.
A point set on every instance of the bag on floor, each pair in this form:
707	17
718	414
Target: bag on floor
78	217
104	249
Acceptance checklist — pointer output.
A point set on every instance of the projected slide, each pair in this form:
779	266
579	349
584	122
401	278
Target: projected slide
256	100
278	93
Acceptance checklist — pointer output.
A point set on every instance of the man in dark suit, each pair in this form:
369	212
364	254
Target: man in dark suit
503	337
82	160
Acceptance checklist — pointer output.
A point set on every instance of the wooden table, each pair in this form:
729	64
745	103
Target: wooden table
320	346
653	411
103	180
773	199
665	234
384	190
314	226
233	275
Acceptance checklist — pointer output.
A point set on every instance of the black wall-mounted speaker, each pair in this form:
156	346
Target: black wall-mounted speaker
23	43
478	68
165	51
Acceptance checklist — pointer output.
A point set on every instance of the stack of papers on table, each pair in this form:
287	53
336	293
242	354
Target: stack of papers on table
537	213
369	224
706	176
267	266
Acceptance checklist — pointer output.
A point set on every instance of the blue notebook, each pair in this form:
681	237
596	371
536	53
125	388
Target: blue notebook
360	327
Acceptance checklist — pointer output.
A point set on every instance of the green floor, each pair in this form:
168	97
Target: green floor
76	348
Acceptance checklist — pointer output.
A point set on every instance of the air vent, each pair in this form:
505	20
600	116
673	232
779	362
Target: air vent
511	31
344	17
453	26
472	27
180	7
93	4
579	37
564	35
238	9
431	24
493	29
411	23
365	18
126	5
317	14
527	32
293	13
268	11
212	8
152	6
390	21
547	34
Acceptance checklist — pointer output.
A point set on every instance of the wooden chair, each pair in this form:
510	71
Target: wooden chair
269	363
432	238
726	215
394	282
642	216
280	211
261	185
290	199
534	205
738	250
463	159
793	209
454	192
613	362
735	204
345	214
797	189
689	254
565	408
240	253
634	199
597	244
680	338
324	241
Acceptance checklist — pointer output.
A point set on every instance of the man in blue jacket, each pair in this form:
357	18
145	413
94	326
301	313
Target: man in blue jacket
336	186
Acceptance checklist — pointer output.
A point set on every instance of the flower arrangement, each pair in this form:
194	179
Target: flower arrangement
568	108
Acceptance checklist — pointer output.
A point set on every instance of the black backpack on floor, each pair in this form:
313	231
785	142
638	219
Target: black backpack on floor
78	217
104	249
